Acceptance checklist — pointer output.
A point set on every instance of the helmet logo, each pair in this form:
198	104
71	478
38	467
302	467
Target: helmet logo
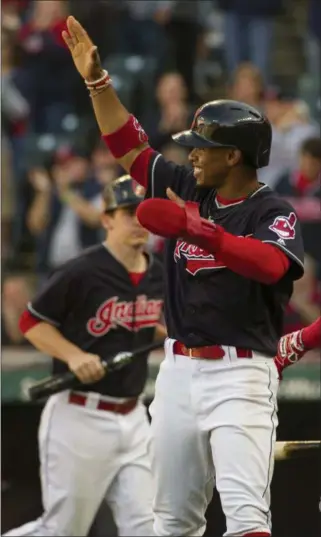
284	226
139	190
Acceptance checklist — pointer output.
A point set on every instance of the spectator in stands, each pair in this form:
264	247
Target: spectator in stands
16	292
304	306
104	166
12	12
249	32
247	85
7	198
306	179
313	44
172	112
14	114
292	125
140	27
176	153
14	107
60	218
184	26
45	74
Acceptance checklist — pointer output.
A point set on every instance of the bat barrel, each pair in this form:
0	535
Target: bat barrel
291	449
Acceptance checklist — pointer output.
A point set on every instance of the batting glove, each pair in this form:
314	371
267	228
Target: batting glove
290	350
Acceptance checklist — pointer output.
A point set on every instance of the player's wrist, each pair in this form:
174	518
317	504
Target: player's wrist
98	82
95	76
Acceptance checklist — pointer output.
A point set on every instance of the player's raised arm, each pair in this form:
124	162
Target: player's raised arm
121	131
111	115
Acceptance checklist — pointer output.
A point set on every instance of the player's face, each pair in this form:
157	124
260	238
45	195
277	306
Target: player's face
123	225
213	165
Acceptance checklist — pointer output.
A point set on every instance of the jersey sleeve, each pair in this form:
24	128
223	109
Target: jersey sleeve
56	298
280	227
163	174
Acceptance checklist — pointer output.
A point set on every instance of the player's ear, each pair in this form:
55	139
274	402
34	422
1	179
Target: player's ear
107	221
234	157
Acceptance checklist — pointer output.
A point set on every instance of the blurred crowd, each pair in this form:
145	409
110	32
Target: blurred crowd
166	57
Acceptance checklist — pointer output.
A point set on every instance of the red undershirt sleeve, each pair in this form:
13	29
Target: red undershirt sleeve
253	259
27	321
311	335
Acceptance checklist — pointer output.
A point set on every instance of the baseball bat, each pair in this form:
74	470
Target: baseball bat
288	449
65	381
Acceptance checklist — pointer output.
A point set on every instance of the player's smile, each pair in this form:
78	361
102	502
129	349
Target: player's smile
197	172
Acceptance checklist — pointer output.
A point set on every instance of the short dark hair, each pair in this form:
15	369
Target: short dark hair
312	147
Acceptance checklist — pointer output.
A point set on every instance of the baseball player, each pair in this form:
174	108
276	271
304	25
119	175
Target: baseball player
234	249
94	442
293	346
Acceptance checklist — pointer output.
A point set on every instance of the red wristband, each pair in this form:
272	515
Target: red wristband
127	138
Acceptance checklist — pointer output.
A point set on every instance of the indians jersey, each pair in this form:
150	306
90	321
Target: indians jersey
207	303
94	304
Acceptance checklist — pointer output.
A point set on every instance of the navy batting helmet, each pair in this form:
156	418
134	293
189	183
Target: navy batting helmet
232	124
123	192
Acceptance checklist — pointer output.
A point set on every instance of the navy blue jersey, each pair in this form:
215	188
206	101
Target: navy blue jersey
206	303
94	304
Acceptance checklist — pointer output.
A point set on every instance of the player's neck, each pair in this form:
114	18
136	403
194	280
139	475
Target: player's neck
133	259
238	188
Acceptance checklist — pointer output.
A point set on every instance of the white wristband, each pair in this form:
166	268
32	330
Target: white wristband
91	84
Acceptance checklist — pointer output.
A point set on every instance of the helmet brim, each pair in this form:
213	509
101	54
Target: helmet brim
191	139
130	203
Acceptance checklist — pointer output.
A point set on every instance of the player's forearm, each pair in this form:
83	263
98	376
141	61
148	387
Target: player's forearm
38	215
47	339
110	113
253	259
248	257
113	118
85	210
160	332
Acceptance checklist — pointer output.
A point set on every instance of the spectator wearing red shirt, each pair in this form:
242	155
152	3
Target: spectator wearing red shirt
304	306
306	181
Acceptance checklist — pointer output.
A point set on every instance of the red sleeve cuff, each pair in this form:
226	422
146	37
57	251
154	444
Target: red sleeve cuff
27	321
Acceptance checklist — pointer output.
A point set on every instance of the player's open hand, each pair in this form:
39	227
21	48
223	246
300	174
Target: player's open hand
174	197
87	367
83	51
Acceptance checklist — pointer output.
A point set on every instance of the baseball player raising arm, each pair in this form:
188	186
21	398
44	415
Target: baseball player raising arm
94	443
234	249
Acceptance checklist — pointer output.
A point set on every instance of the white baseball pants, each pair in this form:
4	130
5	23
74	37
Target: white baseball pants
213	423
87	455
